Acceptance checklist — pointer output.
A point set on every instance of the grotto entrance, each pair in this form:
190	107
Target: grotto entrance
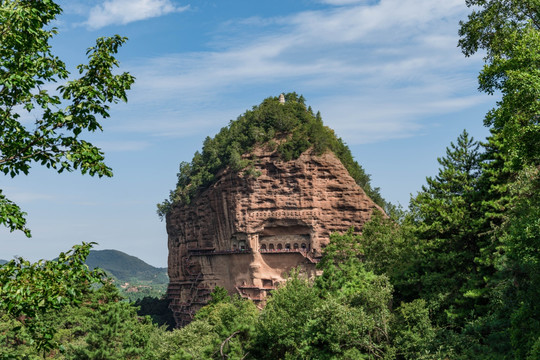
285	236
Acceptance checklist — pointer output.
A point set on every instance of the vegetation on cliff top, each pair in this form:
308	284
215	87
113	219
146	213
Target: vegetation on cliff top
290	129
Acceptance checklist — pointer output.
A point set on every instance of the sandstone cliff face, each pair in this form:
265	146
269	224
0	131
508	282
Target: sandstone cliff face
246	233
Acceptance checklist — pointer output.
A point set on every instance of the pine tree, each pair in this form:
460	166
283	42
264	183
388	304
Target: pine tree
520	265
113	330
447	218
508	32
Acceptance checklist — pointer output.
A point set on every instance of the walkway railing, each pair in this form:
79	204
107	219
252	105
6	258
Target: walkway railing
304	252
196	252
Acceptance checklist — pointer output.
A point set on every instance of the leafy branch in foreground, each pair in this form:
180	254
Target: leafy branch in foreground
31	290
28	72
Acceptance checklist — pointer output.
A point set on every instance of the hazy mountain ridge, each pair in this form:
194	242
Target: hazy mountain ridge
125	267
122	266
135	278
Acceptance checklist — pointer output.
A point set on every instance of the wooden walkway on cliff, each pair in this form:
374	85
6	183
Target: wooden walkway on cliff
212	251
304	252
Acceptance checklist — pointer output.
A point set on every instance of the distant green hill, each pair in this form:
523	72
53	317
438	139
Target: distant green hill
125	267
2	261
135	278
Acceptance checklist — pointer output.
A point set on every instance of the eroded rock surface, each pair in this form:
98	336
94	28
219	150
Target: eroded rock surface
246	233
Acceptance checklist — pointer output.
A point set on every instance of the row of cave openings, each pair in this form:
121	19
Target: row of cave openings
242	245
279	246
288	235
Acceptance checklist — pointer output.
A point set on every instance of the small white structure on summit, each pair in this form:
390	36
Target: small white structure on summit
282	99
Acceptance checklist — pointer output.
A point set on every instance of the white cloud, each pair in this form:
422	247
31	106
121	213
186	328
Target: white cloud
395	61
343	2
361	41
382	117
126	11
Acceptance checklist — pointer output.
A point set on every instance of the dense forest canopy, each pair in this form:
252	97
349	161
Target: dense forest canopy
290	129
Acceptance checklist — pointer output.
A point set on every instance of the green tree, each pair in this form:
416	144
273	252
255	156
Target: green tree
223	329
192	342
111	329
520	263
280	330
390	247
101	325
508	31
233	322
448	219
448	200
412	331
27	69
338	330
366	296
31	291
513	327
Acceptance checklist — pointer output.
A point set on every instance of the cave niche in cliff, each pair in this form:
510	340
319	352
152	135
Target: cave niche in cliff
285	235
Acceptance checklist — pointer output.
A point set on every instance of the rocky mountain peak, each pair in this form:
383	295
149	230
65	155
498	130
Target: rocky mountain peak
266	208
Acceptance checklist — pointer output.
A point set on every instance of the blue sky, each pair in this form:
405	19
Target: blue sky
386	75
